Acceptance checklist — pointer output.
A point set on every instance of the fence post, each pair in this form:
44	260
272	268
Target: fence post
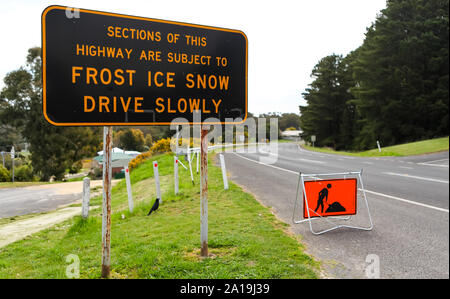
224	172
13	153
86	197
175	172
198	158
130	194
190	165
156	175
106	204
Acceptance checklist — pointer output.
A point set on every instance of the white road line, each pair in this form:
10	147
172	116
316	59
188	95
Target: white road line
279	168
430	163
406	167
416	177
367	191
446	159
312	161
293	159
434	165
408	201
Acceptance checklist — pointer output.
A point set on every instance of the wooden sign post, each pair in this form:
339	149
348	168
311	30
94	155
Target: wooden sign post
204	193
106	205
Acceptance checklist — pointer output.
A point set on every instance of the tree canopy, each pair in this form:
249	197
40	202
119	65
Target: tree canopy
394	88
53	149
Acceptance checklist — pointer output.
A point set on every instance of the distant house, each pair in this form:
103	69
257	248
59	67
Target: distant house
117	150
295	135
119	159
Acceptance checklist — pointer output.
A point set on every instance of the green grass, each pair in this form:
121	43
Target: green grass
245	238
407	149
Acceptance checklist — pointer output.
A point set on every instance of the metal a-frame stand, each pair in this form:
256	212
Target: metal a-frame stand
301	181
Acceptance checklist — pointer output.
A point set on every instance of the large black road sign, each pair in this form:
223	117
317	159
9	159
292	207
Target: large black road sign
109	69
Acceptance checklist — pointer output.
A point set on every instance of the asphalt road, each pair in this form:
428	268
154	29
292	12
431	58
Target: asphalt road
41	198
408	199
22	201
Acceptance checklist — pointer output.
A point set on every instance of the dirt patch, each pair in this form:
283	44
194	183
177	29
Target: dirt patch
18	230
69	188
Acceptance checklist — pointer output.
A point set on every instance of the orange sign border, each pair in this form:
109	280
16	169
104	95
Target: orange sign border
305	213
44	102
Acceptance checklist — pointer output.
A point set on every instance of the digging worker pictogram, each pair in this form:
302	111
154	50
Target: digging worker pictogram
323	194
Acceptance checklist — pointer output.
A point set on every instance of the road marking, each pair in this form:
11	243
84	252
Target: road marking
416	177
435	165
292	159
258	162
367	191
370	163
440	160
312	161
406	167
430	163
407	201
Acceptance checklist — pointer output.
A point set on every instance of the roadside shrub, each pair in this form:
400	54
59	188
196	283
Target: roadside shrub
96	173
76	167
139	159
23	173
161	146
4	174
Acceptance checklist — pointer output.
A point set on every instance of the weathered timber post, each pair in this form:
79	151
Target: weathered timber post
106	205
204	193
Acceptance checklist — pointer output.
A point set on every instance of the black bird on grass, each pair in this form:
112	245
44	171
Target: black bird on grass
154	207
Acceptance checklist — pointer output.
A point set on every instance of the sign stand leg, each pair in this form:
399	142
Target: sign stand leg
106	205
204	193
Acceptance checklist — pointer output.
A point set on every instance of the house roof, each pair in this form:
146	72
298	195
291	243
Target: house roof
114	157
117	150
295	133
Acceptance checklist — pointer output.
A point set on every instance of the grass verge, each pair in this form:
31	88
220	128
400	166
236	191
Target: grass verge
407	149
245	238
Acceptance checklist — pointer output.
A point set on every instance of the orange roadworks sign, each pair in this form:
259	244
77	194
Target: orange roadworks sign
330	197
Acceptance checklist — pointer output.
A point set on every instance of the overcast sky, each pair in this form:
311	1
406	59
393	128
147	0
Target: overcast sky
286	38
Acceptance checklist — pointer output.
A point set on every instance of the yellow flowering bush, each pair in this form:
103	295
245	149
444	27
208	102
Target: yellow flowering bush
139	159
161	146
